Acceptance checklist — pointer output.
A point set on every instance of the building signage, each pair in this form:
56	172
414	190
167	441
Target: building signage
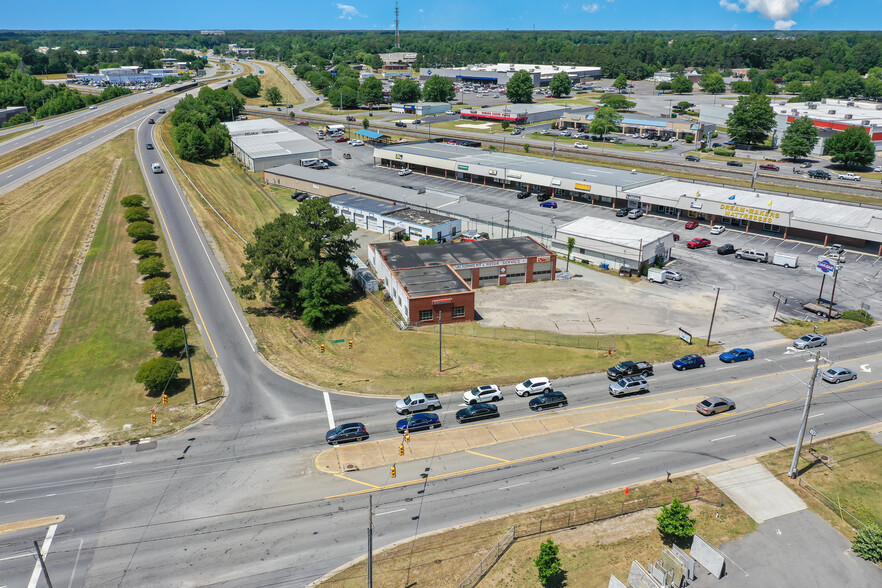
494	263
686	336
576	117
492	172
462	166
695	205
514	175
780	297
825	266
750	214
502	271
555	182
583	187
543	259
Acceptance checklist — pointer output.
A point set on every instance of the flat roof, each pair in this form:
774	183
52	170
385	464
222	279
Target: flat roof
421	217
382	207
369	134
530	67
285	143
518	108
255	126
399	256
614	232
859	111
431	281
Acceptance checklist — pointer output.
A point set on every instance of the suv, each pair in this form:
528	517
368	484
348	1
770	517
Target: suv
819	174
630	385
752	255
635	213
486	393
398	123
629	368
693	158
533	386
524	194
543	197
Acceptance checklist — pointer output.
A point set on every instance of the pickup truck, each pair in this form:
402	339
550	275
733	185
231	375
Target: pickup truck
417	403
629	368
850	176
818	174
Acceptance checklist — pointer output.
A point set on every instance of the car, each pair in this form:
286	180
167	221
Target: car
524	194
579	145
405	172
264	105
549	96
878	168
279	108
544	132
693	158
629	368
737	354
485	393
849	176
350	118
150	121
418	422
299	196
289	106
715	405
629	385
449	112
810	340
548	204
622	212
341	140
635	213
733	163
689	362
543	196
347	432
398	123
834	375
533	386
673	275
727	249
691	225
565	133
548	400
676	236
698	243
148	146
93	107
516	132
302	122
356	143
473	236
729	143
477	412
806	164
717	230
161	111
417	122
769	166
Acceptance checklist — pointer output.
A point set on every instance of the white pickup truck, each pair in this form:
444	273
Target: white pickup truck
850	176
417	403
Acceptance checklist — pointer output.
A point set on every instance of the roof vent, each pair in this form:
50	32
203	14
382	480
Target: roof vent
823	101
848	117
879	107
831	112
812	106
866	122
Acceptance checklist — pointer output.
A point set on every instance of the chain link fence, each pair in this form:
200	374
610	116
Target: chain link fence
834	505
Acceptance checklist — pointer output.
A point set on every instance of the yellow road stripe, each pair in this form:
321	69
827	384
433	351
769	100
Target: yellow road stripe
599	433
358	482
679	410
487	456
30	524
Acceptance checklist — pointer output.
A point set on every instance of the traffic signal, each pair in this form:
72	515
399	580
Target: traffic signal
401	449
153	418
323	347
393	471
407	436
165	398
350	344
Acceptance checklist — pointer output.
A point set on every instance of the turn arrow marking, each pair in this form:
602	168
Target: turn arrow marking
866	368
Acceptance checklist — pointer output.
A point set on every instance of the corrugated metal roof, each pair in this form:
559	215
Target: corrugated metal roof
369	134
614	232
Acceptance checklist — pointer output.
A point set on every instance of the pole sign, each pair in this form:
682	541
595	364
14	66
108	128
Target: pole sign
825	266
686	336
780	297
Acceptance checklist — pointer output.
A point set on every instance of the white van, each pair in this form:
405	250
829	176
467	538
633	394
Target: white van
157	169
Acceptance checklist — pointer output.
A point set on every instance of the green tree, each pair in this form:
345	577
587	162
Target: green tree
519	89
799	138
683	105
18	119
165	314
681	85
169	341
794	87
571	244
560	84
132	200
405	90
136	213
145	248
867	543
664	86
151	266
141	230
248	86
157	289
605	121
616	101
621	82
375	61
370	91
323	289
851	147
438	89
274	95
713	83
674	523
751	119
548	562
156	374
365	123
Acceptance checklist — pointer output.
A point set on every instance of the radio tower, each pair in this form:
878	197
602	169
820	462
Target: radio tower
397	36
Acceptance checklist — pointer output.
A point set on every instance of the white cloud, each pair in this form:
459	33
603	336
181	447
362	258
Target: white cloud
821	3
347	11
784	25
566	6
420	11
591	8
778	11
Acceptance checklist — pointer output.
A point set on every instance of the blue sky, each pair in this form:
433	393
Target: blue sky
727	15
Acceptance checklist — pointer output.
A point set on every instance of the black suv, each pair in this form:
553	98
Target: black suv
819	174
400	124
732	163
524	194
549	399
693	158
543	197
727	249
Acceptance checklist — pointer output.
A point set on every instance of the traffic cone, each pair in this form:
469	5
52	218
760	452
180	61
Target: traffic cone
627	491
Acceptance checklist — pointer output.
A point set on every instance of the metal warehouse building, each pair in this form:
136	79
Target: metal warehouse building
516	113
614	244
421	108
264	143
394	219
501	73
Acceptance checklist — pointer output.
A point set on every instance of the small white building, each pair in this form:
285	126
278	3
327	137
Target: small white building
616	244
264	143
421	108
395	219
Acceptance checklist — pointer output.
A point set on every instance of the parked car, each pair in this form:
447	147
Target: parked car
834	375
698	243
405	172
548	400
543	196
356	143
635	213
398	123
533	386
524	194
565	133
717	230
148	146
693	158
727	249
689	362
477	412
733	163
548	204
691	225
769	166
737	354
486	393
629	368
715	405
449	112
302	122
622	212
299	196
752	255
418	422
629	385
347	432
473	236
341	140
673	275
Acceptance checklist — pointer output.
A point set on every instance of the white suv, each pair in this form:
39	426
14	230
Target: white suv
486	393
629	385
533	386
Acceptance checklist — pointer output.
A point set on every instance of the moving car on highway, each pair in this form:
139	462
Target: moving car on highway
477	412
550	399
715	405
810	340
630	385
418	422
347	432
485	393
533	386
737	354
689	362
834	375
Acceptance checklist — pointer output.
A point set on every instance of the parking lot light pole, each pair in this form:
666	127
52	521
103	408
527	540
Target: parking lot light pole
713	314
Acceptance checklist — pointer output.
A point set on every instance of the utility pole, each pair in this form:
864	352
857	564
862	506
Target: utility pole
830	308
794	465
508	223
190	365
370	562
440	339
42	564
713	314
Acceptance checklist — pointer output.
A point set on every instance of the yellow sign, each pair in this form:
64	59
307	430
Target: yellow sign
750	214
584	187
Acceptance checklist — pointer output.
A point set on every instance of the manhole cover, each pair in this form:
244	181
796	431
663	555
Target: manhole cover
350	467
824	458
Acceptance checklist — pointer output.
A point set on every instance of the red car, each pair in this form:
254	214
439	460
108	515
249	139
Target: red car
769	166
676	237
302	122
691	224
340	140
698	243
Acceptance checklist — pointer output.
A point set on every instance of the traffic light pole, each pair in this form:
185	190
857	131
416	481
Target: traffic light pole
794	465
190	365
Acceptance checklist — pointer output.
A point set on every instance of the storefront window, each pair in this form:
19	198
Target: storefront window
425	315
458	311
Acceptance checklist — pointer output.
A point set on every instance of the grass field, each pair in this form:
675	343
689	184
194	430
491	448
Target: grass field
17	133
83	388
269	78
796	329
589	552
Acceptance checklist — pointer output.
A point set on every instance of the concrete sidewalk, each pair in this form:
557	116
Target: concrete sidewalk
757	492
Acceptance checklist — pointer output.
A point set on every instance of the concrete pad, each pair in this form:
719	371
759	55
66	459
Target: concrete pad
758	492
504	432
530	428
555	424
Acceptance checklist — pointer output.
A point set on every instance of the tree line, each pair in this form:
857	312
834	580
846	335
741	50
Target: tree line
196	124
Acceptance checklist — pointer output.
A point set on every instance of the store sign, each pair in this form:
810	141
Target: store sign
583	187
555	182
543	259
492	172
462	167
750	214
514	175
494	263
502	271
695	205
825	266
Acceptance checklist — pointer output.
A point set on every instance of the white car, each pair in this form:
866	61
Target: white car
580	145
717	230
878	168
356	142
405	172
450	112
93	107
533	386
673	275
544	132
486	393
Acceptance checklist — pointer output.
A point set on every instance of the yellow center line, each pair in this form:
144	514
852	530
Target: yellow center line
487	456
679	410
599	433
357	481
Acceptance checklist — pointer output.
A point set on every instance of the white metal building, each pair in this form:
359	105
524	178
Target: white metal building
516	113
500	73
395	219
264	143
421	108
601	241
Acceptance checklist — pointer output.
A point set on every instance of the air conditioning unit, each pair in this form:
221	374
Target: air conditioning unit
849	103
823	101
812	106
865	122
831	112
784	111
848	117
879	107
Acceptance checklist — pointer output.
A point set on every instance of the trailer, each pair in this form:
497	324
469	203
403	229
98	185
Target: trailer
785	259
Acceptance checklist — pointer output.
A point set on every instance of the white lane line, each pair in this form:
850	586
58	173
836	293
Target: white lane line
816	415
76	561
111	465
328	410
48	495
725	367
624	461
9	502
10	175
44	551
721	438
513	486
30	166
380	514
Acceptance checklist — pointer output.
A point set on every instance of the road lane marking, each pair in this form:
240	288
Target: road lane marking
679	410
487	456
599	433
625	461
44	551
356	481
816	415
111	465
380	514
331	424
513	486
721	438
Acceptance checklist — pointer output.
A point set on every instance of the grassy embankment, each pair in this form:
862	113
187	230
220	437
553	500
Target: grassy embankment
408	359
79	389
589	553
269	78
9	136
796	329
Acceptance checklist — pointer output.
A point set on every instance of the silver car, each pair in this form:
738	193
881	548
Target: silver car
810	340
715	405
834	375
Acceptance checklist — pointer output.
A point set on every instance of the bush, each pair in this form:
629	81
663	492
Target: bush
141	230
689	139
165	314
151	266
674	523
133	200
724	151
714	135
169	341
157	373
862	316
504	125
868	543
548	562
145	248
134	214
157	289
428	242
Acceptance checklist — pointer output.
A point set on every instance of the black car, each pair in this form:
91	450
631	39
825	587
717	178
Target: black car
543	197
819	174
299	196
548	400
418	422
629	368
150	121
524	194
727	249
622	212
347	432
692	158
477	412
732	163
398	123
148	146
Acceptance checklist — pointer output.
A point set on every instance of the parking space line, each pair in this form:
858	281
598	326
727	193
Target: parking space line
599	433
487	456
348	479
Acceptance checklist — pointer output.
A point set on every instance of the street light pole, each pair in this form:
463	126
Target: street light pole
370	561
713	314
794	465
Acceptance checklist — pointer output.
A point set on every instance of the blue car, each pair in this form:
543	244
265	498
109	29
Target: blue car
418	422
688	362
737	354
548	204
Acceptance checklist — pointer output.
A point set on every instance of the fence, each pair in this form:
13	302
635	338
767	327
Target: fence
536	337
575	519
834	505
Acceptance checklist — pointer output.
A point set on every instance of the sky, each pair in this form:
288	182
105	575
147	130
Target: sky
721	15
